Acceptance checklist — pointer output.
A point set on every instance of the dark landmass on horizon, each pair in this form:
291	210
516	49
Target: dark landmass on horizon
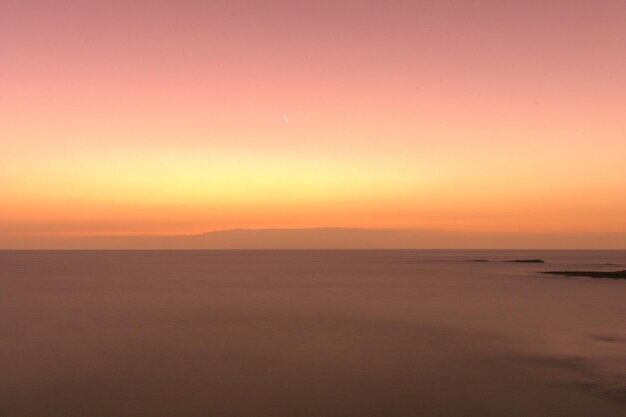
325	238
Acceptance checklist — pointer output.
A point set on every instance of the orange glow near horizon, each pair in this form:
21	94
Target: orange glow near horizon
166	117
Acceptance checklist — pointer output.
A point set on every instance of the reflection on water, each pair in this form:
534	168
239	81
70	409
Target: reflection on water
310	333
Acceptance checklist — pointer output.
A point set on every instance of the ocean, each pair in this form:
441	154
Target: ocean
297	333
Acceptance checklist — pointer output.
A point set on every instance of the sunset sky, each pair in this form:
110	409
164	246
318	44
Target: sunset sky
126	117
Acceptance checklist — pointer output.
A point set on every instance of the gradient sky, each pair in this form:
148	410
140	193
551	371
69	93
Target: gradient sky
166	117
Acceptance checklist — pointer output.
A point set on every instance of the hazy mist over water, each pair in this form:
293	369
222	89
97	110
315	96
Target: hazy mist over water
310	333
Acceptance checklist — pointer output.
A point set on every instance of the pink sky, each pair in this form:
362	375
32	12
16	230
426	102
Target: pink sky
166	117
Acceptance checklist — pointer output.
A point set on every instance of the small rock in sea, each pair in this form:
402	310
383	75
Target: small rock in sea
528	261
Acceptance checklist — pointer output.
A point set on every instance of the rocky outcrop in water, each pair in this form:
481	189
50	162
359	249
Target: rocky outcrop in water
591	274
528	261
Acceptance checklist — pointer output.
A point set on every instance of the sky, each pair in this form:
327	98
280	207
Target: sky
181	117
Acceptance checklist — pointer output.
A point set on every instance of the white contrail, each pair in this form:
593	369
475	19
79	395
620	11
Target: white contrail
285	116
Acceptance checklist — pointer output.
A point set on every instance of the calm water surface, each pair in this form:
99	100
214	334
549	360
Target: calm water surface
310	333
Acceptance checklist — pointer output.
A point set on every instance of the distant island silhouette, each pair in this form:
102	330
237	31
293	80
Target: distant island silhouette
325	238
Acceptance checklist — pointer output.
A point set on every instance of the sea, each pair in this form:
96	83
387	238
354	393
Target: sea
311	333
